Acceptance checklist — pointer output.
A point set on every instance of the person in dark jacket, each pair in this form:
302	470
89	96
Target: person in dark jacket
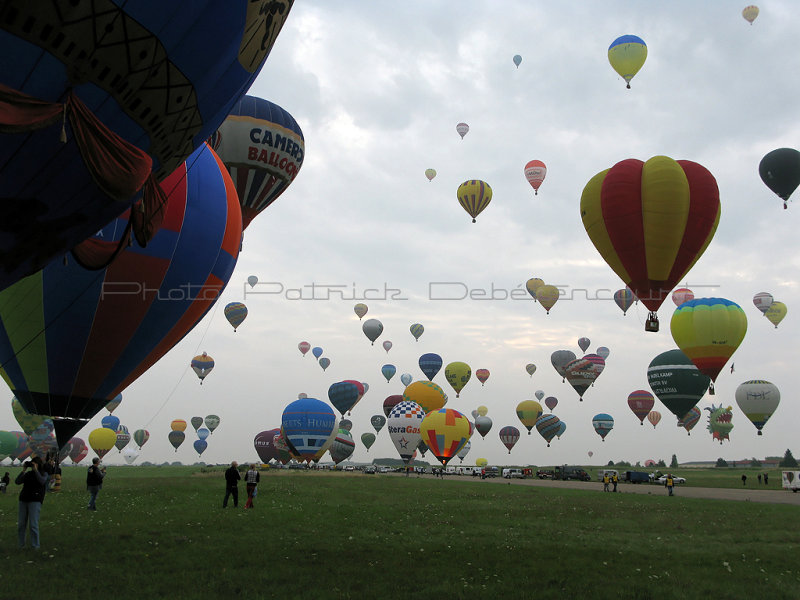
4	482
31	496
94	482
232	478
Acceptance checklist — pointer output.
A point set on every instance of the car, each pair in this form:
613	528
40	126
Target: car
513	474
349	468
663	480
383	470
369	470
544	474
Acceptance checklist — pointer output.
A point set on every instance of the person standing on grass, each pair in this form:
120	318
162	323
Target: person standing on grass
670	483
744	479
4	482
759	479
232	478
94	482
766	478
605	482
615	481
31	496
251	478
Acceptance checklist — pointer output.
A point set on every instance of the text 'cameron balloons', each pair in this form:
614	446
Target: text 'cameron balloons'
202	365
535	172
377	421
430	364
676	381
780	172
583	372
624	299
603	424
445	432
517	60
709	330
462	129
548	427
264	445
135	88
388	372
262	147
427	394
474	195
102	440
641	403
758	400
306	425
343	395
372	328
509	436
651	221
627	54
528	412
458	375
236	313
103	342
403	425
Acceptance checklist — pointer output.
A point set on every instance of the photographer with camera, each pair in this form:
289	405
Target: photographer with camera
94	482
31	496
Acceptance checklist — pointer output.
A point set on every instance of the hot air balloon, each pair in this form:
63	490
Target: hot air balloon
236	313
110	422
603	352
758	400
200	446
458	375
474	195
306	426
378	421
776	312
690	419
427	394
140	437
430	174
482	375
346	424
720	422
682	295
624	299
368	439
406	378
132	98
547	295
780	172
387	345
532	285
517	60
391	402
372	328
324	362
343	395
388	371
317	352
651	222
445	432
252	280
114	403
178	425
264	444
528	412
130	455
584	343
583	372
530	368
547	426
102	440
430	364
641	403
303	347
403	425
360	309
709	330
416	330
79	455
654	417
763	300
27	421
551	402
202	364
603	424
627	54
196	422
262	147
539	394
481	462
590	453
462	454
462	129
483	425
483	411
212	422
750	13
123	438
562	427
343	445
203	433
176	438
535	172
509	436
676	381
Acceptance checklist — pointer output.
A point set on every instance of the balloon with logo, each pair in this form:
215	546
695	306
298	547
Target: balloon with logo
196	422
627	54
203	433
417	330
343	395
212	422
560	359
528	412
547	295
462	454
427	394
324	362
651	221
551	402
547	426
430	174
360	309
317	352
749	13
654	417
762	301
368	439
403	425
123	438
603	424
681	295
110	422
641	403
535	172
202	364
176	438
304	347
603	352
584	343
102	440
390	402
140	437
532	285
130	455
676	381
482	375
445	432
780	172
200	446
343	446
388	371
462	129
624	299
430	364
758	400
483	425
720	422
709	330
264	445
474	196
776	312
235	313
114	403
690	419
458	375
372	328
42	441
377	421
306	425
509	436
406	378
583	372
517	60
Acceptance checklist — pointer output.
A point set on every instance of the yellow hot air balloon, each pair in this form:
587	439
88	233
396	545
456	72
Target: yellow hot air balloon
445	432
481	462
709	330
547	295
360	309
425	393
528	412
750	13
483	411
457	375
430	174
102	440
776	312
532	285
474	195
178	425
627	54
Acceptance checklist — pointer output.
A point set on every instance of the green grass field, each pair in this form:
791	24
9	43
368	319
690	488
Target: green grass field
161	532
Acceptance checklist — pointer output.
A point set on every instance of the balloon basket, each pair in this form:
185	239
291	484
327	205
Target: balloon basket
651	324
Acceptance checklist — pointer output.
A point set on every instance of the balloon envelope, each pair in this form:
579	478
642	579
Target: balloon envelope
343	446
462	129
641	403
114	403
264	445
474	195
343	395
202	364
130	455
682	295
530	368
548	425
551	402
780	172
654	417
445	432
528	412
372	328
377	421
483	425
627	54
776	312
176	438
547	295
196	422
749	13
203	433
624	299
430	174
110	422
425	393
676	381
306	425
368	439
178	425
316	351
584	343
406	378
482	375
583	372
360	309
391	402
509	436
535	172
458	375
324	362
603	424
200	446
416	330
212	422
235	313
430	364
517	60
102	440
758	400
388	372
403	425
763	300
140	437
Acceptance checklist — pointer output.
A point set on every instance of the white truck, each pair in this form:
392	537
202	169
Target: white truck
791	480
513	474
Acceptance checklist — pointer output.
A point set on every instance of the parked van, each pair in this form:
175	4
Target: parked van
467	470
450	470
603	472
513	474
791	480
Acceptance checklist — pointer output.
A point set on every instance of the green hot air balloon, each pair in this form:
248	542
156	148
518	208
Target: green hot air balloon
368	439
676	381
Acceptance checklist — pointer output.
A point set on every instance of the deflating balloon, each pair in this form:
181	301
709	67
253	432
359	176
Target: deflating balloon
102	440
236	313
603	424
528	412
654	417
462	129
758	400
378	421
676	381
641	403
780	172
627	55
458	375
200	446
776	312
368	439
202	366
372	328
624	299
430	364
360	309
517	60
343	446
583	372
474	195
483	425
535	172
403	425
176	438
130	455
391	402
509	436
430	173
425	393
445	432
212	422
482	375
547	426
306	426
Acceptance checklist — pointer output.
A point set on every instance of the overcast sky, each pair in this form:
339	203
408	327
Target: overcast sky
378	88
